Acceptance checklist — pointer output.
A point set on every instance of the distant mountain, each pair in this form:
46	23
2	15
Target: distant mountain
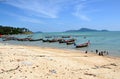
38	32
71	31
86	30
104	30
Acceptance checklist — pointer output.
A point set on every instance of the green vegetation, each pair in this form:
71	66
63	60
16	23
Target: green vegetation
13	30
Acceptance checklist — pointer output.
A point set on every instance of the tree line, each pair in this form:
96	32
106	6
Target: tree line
13	30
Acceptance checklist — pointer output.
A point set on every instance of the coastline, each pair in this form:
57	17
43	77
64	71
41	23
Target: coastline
31	62
101	41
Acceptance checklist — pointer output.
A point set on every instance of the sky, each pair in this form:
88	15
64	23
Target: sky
61	15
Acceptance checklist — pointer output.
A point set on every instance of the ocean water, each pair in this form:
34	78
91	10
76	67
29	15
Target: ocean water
102	41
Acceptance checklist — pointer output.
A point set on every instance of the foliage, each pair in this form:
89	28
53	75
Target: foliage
13	30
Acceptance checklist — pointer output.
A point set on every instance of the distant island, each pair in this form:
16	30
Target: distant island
6	30
38	32
86	30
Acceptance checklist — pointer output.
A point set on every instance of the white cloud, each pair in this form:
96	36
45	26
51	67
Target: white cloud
84	17
79	12
25	18
40	7
52	8
82	10
43	8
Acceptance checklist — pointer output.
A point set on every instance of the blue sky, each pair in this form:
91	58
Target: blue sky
60	15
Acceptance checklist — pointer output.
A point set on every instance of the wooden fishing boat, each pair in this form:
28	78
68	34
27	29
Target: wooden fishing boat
23	39
45	40
69	43
53	40
9	38
66	36
70	40
35	39
82	45
48	36
62	41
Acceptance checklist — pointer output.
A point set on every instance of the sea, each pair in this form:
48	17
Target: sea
101	41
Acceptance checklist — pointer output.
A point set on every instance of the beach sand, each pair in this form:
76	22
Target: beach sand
28	62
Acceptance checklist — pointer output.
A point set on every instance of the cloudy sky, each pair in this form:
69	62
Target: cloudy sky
60	15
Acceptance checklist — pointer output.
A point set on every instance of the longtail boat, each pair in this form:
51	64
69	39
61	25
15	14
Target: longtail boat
35	39
69	43
82	45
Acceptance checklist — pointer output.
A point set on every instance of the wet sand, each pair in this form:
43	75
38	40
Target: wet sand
28	62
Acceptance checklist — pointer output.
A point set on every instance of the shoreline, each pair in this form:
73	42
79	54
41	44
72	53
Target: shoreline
31	62
101	41
48	47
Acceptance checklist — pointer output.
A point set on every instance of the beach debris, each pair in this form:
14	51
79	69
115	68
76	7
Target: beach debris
20	70
23	77
41	56
72	72
80	69
51	59
27	63
37	65
85	56
113	64
3	71
65	68
53	71
10	76
90	74
33	67
18	60
60	65
96	67
25	70
105	66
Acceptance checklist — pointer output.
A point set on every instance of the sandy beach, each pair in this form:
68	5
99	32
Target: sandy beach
27	62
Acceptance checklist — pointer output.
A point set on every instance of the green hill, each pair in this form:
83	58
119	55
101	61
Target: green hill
13	30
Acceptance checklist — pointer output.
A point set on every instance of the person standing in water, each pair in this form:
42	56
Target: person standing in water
96	51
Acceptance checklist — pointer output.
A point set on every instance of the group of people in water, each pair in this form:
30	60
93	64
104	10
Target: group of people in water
100	53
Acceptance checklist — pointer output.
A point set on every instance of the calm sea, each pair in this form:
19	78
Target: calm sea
109	41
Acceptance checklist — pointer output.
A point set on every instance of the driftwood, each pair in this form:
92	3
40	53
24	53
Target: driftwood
90	74
105	66
9	70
